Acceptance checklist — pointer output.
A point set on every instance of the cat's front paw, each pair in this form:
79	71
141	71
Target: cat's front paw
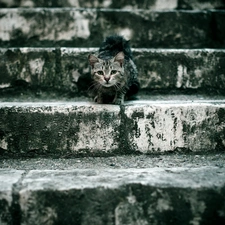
118	102
98	100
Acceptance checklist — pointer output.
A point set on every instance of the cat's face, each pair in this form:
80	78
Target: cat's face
107	73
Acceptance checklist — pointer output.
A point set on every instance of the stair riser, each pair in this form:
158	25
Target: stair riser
87	27
67	69
82	128
149	4
167	127
85	128
143	196
114	207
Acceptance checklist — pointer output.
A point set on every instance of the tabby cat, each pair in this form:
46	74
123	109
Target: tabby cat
113	71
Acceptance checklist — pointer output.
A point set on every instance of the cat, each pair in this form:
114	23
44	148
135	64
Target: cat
113	72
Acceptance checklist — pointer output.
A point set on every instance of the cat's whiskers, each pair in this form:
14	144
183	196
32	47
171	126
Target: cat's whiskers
92	84
95	87
117	87
98	87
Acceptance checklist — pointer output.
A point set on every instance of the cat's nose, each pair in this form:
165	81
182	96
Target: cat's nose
107	79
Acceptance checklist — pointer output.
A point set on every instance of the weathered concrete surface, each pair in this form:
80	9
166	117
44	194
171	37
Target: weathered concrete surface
197	68
34	66
88	128
114	196
130	196
170	126
69	162
59	127
201	4
149	4
8	178
67	69
71	27
135	4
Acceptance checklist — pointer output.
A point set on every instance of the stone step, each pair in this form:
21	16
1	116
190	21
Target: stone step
113	196
67	69
85	128
72	27
141	161
135	4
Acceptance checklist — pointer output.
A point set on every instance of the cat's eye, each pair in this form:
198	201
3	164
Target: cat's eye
100	72
113	72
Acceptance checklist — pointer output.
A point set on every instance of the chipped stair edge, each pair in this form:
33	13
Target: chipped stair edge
140	196
159	69
88	128
87	27
11	181
149	4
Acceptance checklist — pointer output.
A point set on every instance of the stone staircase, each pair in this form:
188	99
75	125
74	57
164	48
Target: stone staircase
156	160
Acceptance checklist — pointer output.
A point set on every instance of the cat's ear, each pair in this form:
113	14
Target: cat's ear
119	58
92	60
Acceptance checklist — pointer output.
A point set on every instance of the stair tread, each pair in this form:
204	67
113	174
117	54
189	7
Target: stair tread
115	193
164	177
87	27
67	69
87	128
172	4
177	160
141	98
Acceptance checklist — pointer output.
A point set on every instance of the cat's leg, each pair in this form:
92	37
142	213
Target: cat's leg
119	98
98	99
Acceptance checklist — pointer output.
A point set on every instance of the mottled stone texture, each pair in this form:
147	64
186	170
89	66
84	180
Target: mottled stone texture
170	126
175	69
59	128
74	70
113	196
67	69
87	27
201	4
136	4
119	197
86	128
8	197
36	67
